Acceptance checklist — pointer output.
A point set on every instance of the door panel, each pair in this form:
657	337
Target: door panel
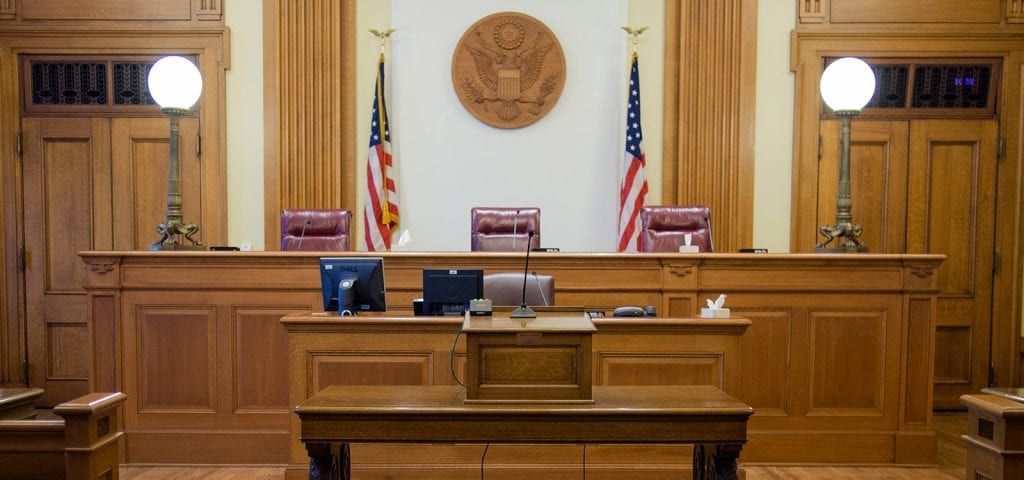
951	210
67	209
878	172
140	162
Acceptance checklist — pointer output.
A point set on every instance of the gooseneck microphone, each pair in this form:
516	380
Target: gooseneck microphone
515	223
302	234
524	311
543	296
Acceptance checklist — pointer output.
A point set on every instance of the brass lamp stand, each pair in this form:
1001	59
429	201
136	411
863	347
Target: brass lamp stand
172	230
847	84
175	84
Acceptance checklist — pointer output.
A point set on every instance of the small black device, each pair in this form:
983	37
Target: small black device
628	312
753	250
448	291
352	284
223	248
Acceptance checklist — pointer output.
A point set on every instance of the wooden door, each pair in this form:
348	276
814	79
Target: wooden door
928	186
67	203
89	184
951	210
878	173
139	164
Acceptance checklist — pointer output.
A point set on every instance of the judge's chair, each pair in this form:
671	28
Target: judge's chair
504	229
505	289
663	228
313	230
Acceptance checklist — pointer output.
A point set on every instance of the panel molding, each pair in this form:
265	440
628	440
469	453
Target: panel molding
309	93
710	57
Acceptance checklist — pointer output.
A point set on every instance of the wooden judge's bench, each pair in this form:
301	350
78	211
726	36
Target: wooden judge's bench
833	352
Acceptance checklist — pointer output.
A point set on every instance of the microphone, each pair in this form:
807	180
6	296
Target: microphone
543	296
524	311
302	234
515	223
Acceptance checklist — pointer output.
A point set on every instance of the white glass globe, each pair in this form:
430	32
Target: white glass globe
175	82
847	84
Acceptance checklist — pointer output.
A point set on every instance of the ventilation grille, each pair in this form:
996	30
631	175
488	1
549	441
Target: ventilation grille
113	85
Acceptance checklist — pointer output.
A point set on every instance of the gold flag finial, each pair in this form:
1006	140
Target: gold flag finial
382	36
635	33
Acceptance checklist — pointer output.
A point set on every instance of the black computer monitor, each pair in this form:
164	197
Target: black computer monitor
352	284
448	291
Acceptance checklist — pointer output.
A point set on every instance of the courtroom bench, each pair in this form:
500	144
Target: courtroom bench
77	441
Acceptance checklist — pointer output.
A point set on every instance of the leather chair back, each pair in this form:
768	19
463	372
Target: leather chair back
663	228
504	229
315	230
507	289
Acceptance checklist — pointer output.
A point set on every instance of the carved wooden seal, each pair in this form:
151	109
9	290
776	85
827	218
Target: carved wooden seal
508	70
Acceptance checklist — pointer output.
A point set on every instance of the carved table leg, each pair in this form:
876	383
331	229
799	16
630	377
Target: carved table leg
716	462
328	461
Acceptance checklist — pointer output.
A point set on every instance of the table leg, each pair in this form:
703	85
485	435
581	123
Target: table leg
716	461
329	461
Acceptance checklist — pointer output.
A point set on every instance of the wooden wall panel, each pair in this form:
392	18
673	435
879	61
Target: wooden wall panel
383	368
262	382
106	10
848	361
915	11
309	92
709	116
176	359
767	346
685	369
954	366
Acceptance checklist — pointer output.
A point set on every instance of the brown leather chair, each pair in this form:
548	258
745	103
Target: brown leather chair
507	289
504	229
315	230
663	228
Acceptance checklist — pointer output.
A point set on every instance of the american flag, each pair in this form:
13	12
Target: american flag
634	178
380	215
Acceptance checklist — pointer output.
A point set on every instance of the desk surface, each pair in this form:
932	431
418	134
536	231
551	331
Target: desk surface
657	414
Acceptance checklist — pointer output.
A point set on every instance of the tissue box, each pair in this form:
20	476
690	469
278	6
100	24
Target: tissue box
714	313
689	249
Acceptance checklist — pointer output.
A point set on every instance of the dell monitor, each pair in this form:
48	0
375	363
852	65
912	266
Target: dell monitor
352	284
448	291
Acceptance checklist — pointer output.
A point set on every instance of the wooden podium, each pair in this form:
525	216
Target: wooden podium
543	359
995	433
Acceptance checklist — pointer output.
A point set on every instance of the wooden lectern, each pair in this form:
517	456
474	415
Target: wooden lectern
543	359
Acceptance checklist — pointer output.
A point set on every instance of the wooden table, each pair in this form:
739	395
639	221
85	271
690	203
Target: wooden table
703	415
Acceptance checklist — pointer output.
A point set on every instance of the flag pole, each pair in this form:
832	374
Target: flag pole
382	37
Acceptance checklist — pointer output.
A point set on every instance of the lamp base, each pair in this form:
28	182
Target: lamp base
158	247
853	249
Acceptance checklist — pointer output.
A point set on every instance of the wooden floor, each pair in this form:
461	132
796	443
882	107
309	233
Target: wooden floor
948	426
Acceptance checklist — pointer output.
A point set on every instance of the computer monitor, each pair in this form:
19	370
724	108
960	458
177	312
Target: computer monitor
352	284
448	291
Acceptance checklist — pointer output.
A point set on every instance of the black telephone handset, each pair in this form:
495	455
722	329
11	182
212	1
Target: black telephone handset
628	312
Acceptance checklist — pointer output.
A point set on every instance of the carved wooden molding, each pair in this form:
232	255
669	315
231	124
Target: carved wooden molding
1014	11
680	270
7	10
710	56
101	268
209	10
309	91
811	11
922	272
508	70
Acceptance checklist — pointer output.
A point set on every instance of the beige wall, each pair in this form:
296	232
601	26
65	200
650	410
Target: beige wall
773	155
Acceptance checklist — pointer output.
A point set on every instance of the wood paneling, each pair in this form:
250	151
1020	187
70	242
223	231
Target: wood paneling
309	89
880	300
709	117
915	11
381	368
175	359
667	369
106	10
259	342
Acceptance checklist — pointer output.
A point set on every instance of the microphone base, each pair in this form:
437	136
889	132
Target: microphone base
523	312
